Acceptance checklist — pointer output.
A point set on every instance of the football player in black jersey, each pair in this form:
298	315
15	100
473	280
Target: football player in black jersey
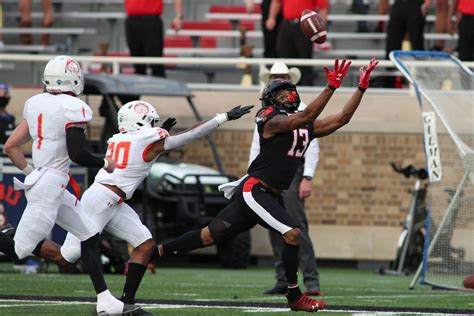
256	197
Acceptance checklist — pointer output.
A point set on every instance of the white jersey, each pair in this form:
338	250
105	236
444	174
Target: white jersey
128	150
48	116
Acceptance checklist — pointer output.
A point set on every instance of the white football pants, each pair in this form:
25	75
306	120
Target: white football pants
108	211
48	202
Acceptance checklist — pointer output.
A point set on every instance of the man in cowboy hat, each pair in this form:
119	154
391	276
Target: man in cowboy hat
294	197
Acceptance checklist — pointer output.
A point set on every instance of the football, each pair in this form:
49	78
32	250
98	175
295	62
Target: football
469	282
313	26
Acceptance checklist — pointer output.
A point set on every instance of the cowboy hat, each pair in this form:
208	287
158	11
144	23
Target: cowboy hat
279	68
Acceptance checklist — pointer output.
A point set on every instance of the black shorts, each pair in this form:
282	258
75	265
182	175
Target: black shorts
252	204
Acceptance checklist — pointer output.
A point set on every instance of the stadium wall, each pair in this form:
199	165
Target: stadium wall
358	203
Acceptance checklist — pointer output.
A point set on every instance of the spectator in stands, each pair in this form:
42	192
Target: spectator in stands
293	199
25	20
441	23
463	10
7	121
145	32
407	16
269	36
291	42
382	10
360	7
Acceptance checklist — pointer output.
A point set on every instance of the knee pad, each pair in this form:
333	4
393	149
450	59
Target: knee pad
219	230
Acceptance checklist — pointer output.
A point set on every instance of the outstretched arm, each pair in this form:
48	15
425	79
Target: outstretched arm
200	130
283	124
19	137
332	123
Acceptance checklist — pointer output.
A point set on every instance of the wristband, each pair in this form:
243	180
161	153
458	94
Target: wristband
27	170
331	87
221	118
106	164
362	89
309	178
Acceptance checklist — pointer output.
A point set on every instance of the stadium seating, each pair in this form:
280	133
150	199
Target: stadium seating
230	9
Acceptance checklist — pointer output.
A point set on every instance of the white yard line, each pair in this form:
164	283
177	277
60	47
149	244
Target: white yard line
246	309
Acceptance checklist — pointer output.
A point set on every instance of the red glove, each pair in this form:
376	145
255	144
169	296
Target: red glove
365	72
335	77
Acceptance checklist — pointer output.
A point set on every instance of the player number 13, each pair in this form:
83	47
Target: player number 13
299	143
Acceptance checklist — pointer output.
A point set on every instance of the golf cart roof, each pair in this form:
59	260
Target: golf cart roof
134	85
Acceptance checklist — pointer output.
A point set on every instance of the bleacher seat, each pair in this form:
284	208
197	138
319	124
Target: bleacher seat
179	41
208	42
231	9
248	25
216	25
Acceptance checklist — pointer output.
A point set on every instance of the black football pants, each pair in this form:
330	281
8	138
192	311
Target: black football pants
405	16
466	38
144	35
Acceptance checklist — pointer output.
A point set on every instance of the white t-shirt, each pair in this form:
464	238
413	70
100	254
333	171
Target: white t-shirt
48	116
128	150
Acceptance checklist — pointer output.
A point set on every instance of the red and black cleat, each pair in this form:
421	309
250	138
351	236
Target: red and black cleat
306	304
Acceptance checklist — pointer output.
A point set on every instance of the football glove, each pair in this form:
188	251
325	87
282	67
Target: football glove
238	111
169	123
335	77
365	72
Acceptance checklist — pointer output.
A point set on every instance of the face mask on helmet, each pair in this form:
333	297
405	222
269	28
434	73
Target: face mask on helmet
282	94
137	115
63	74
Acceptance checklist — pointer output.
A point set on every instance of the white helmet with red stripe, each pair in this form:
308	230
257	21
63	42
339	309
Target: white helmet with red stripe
63	74
136	115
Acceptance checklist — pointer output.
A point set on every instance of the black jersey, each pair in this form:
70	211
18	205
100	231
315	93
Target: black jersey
7	125
282	154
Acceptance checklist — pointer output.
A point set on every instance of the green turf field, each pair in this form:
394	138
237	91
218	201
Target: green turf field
213	291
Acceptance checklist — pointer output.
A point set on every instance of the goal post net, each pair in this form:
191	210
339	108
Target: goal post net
444	89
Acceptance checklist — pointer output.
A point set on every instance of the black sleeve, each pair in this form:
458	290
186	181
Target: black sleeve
76	148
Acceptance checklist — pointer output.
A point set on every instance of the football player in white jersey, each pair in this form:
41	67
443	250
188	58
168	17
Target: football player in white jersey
134	150
56	121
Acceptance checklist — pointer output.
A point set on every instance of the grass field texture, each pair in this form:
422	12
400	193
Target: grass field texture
214	291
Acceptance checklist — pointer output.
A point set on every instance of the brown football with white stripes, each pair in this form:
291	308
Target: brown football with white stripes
313	26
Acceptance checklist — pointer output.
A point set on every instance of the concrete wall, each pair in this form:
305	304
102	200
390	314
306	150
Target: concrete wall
358	203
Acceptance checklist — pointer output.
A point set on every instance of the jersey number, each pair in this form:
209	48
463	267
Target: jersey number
119	152
299	144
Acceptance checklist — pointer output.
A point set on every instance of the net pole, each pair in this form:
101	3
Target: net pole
440	227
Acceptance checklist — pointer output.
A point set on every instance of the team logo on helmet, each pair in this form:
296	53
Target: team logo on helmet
72	66
141	108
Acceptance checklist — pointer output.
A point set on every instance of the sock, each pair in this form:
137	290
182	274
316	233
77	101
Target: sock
134	277
186	242
294	293
91	258
289	256
7	246
37	250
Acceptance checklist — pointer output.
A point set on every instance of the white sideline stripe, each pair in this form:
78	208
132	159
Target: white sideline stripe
248	309
263	214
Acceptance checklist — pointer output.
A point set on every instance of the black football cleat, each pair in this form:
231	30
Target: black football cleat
276	290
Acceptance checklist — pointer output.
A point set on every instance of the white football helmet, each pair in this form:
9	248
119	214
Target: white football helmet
63	74
136	115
